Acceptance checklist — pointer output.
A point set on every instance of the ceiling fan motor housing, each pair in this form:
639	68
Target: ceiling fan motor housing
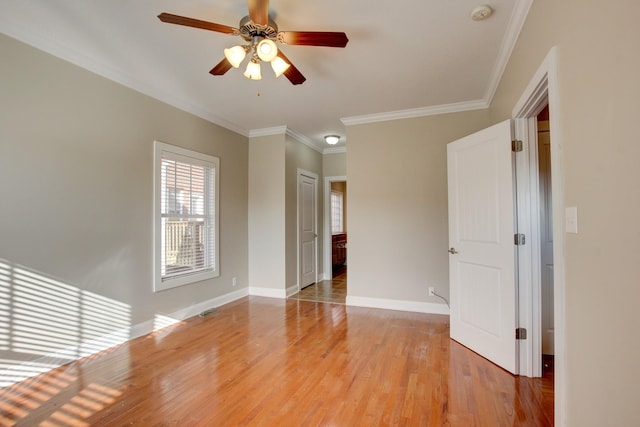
249	30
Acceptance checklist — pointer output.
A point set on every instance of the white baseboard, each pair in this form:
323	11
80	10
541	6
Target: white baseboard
152	325
392	304
21	370
292	290
191	311
268	292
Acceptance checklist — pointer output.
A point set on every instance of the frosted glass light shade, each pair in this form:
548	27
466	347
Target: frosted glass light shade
267	50
235	55
332	139
253	71
279	66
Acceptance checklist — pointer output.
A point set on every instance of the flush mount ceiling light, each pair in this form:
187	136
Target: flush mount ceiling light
481	12
260	33
332	139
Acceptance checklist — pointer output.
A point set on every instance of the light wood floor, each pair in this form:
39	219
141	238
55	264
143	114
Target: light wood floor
270	362
333	291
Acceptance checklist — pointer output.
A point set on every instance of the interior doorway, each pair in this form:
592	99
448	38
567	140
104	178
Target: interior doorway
335	189
338	216
546	240
332	286
540	94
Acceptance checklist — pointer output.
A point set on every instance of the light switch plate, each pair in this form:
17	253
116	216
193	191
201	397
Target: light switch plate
571	220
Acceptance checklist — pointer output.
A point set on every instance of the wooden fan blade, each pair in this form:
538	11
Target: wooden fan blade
259	11
314	38
221	68
293	74
195	23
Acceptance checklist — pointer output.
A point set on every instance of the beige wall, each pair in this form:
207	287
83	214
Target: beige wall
75	181
398	229
300	156
599	89
267	212
76	184
334	164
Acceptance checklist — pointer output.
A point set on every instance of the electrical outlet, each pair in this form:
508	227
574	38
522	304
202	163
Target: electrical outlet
234	281
432	291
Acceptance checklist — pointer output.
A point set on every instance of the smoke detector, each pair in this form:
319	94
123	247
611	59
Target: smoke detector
481	12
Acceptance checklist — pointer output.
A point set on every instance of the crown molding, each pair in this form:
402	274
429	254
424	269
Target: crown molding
415	112
50	46
284	130
516	22
276	130
334	150
58	50
303	139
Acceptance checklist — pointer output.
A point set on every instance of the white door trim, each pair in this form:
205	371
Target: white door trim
328	267
300	174
528	254
543	89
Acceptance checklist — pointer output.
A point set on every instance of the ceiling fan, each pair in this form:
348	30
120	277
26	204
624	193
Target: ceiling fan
260	33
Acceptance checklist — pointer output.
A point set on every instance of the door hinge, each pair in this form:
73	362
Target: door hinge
518	239
521	334
516	145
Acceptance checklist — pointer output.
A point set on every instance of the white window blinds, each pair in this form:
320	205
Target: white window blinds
186	229
337	216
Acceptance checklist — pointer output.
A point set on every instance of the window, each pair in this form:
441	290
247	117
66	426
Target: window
336	212
185	216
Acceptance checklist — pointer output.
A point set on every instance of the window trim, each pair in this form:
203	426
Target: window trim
159	283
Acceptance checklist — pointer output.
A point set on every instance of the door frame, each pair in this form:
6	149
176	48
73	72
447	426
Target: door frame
328	268
300	174
542	90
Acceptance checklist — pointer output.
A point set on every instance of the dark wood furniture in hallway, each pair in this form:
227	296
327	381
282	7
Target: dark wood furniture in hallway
271	362
338	249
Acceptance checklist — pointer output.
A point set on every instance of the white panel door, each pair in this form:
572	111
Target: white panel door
307	231
481	236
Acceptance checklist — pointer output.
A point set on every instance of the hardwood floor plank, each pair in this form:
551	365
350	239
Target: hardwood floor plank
333	291
266	362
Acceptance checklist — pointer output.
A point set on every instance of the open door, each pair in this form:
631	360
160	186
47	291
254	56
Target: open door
481	235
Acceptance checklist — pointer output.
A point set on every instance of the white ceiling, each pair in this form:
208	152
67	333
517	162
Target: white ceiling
405	58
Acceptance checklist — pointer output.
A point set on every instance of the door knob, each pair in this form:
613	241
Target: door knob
452	251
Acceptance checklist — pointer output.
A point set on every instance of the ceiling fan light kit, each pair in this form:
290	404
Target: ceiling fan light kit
261	33
279	66
253	70
235	55
267	50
